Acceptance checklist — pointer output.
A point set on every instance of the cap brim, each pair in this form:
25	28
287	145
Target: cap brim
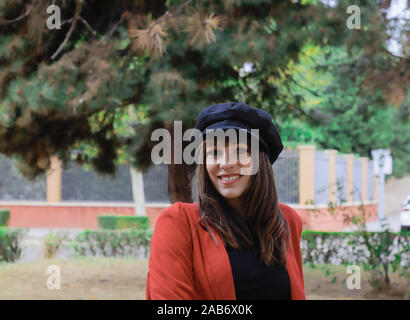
248	130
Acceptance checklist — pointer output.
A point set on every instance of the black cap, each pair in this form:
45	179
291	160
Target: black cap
238	115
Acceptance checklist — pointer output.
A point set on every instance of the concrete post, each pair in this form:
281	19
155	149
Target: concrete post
376	188
332	174
306	173
364	161
54	179
349	158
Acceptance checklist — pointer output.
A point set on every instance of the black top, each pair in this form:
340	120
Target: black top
255	280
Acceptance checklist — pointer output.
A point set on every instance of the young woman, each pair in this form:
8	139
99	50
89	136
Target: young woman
236	241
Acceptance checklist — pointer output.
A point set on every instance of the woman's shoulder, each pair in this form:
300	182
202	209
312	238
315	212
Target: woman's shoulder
175	222
180	206
291	215
179	211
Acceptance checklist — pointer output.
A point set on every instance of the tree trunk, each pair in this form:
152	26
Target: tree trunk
179	175
138	196
386	275
179	184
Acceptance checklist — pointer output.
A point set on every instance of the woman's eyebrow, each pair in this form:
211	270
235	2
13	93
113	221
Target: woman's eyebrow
240	149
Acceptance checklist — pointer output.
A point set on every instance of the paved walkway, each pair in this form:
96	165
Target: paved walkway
33	243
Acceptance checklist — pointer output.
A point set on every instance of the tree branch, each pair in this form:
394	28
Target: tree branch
111	32
22	16
83	21
73	25
88	26
66	21
168	13
316	94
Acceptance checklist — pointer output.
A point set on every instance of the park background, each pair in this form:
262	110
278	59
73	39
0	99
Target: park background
78	106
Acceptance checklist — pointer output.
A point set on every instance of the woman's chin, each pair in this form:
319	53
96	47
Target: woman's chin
230	195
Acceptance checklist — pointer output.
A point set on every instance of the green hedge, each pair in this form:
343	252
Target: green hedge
309	235
10	244
123	222
4	217
112	243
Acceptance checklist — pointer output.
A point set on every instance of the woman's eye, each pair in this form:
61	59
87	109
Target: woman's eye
212	153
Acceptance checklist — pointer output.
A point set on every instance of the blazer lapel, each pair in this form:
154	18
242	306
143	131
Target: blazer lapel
218	268
290	269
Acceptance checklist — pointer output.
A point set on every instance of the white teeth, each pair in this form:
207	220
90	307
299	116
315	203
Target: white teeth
229	178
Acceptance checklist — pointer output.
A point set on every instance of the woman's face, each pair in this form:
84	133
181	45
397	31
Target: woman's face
227	174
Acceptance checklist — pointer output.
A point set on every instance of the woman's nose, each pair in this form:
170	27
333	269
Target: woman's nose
227	159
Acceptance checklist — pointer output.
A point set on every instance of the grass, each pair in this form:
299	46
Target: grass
114	278
329	282
81	278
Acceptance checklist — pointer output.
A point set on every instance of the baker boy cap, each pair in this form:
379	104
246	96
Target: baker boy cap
238	115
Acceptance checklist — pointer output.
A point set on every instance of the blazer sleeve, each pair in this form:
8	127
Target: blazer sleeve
170	270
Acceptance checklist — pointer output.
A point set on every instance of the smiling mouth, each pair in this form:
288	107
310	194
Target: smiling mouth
231	178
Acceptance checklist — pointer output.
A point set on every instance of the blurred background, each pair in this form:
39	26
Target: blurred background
83	84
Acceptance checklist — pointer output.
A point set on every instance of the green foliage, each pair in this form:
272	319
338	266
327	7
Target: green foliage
378	252
101	72
307	2
123	222
400	146
10	244
4	217
98	101
343	113
381	247
15	46
112	243
52	243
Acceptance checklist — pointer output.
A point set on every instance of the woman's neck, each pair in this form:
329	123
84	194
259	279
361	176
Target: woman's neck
238	205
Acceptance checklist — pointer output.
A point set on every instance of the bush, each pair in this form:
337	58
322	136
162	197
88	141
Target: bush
52	243
378	252
10	244
353	247
123	222
4	217
113	243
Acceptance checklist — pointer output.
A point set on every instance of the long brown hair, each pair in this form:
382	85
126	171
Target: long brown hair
263	225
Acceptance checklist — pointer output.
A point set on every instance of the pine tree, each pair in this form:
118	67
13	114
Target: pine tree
160	61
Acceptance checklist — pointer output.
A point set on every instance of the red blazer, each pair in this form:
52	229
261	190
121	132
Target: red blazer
188	265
